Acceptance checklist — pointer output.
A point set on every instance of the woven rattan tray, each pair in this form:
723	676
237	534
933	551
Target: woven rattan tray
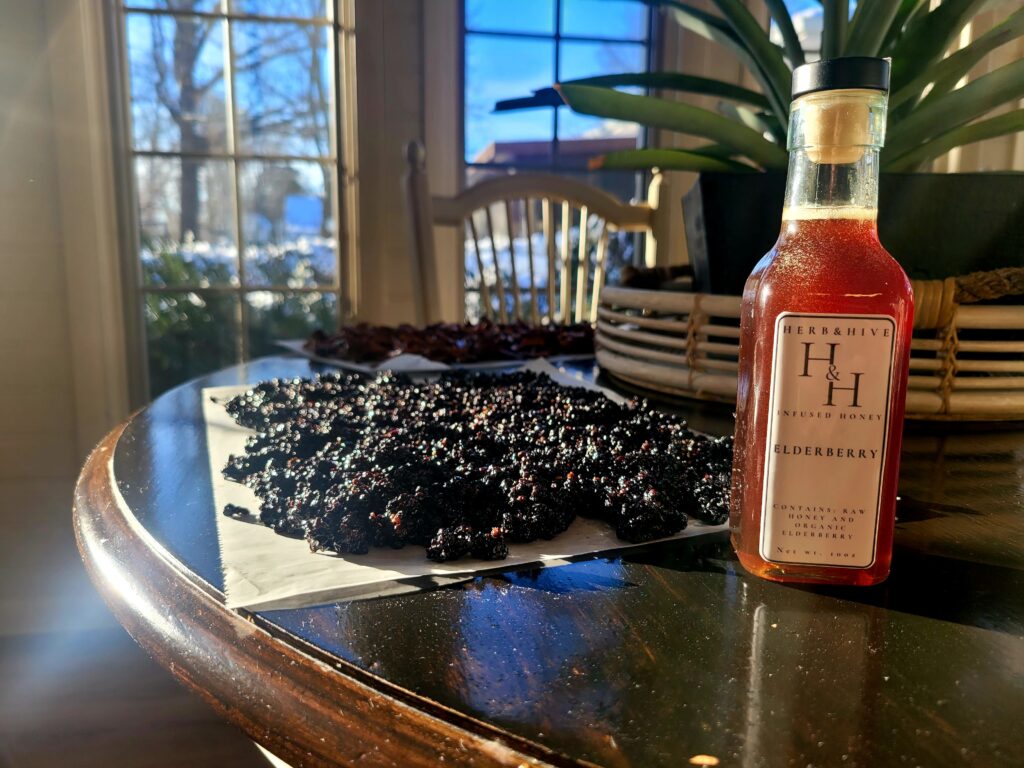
967	358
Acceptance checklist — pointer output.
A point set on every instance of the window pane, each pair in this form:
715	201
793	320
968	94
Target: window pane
283	88
288	224
537	16
188	334
186	222
295	9
201	6
603	135
502	68
275	316
177	83
622	19
585	59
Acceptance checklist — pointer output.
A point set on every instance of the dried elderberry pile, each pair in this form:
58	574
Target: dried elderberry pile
467	464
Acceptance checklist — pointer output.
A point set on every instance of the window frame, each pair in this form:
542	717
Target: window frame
339	22
652	48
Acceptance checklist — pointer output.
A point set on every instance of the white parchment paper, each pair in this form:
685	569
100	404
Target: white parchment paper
265	571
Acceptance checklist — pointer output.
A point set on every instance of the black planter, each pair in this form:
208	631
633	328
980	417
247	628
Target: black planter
936	225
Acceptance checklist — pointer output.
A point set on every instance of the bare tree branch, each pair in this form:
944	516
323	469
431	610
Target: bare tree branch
160	65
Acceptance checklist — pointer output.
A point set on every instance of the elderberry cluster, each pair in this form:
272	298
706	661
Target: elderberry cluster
466	464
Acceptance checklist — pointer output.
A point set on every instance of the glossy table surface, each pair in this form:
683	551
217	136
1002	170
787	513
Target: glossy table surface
647	658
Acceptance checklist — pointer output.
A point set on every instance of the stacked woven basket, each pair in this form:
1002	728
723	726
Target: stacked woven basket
967	359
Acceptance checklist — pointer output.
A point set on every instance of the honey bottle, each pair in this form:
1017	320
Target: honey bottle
824	348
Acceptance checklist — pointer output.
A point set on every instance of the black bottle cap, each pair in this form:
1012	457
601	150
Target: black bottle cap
836	74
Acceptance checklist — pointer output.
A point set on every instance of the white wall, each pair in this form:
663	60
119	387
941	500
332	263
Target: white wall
42	585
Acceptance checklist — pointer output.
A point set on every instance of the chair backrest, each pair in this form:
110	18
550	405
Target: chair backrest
537	245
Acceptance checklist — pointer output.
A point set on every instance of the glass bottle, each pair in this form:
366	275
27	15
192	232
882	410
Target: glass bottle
825	335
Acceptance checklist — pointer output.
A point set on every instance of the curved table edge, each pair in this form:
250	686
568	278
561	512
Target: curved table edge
259	681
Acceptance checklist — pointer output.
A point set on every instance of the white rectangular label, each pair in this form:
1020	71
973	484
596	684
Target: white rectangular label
828	425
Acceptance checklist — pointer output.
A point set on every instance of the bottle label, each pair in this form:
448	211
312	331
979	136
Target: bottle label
828	426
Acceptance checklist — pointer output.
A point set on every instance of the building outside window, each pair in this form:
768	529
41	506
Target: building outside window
238	194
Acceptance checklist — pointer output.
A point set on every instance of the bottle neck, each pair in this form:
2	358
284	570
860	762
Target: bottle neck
826	190
834	140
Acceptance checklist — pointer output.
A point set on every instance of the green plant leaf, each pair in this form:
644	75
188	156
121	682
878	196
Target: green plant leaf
833	30
927	37
948	72
675	81
1001	125
668	81
753	120
767	56
871	22
906	11
790	39
713	150
705	24
674	116
716	29
958	107
667	160
779	131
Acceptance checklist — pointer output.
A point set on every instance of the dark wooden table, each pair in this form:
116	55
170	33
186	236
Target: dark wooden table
645	659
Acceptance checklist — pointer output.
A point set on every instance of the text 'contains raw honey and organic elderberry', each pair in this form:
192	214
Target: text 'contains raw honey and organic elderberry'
827	430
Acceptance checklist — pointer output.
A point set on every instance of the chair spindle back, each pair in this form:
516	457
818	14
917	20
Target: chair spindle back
537	246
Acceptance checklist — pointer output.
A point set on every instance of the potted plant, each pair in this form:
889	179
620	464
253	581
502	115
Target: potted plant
938	225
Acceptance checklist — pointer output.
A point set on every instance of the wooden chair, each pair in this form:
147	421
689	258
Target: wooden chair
538	216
